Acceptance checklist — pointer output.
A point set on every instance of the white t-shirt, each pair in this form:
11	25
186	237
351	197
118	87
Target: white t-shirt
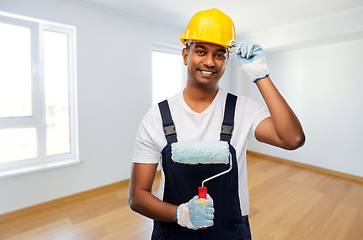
205	126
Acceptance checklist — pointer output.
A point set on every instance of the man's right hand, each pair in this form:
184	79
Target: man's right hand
197	213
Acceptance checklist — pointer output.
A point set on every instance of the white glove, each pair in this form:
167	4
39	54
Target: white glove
251	59
196	213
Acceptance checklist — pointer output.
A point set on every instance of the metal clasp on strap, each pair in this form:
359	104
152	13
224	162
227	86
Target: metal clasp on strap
227	129
169	130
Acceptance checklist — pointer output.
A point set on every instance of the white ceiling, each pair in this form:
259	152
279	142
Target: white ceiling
252	16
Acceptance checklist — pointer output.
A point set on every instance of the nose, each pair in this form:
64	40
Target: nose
209	60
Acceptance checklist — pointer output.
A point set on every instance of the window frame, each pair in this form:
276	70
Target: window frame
34	27
38	118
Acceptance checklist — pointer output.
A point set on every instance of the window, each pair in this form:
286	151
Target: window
37	95
168	72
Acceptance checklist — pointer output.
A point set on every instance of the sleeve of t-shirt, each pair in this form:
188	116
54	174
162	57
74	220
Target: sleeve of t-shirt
145	150
261	112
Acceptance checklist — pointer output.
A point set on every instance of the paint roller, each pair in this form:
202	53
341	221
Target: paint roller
202	153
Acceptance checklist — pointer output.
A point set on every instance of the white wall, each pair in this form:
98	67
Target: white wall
322	81
323	85
114	92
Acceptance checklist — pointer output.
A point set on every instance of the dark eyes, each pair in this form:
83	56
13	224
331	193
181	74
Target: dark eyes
217	56
221	56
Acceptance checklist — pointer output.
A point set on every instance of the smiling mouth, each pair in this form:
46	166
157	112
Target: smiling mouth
207	72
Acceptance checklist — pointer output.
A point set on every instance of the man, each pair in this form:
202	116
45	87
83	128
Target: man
196	115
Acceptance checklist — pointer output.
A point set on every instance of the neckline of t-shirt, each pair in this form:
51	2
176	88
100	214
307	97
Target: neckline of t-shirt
181	97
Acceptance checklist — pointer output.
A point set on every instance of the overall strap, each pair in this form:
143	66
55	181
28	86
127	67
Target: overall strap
228	120
168	124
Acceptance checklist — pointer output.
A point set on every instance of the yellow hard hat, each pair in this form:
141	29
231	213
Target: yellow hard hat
210	25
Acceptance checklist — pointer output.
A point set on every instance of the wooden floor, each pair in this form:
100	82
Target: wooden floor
286	203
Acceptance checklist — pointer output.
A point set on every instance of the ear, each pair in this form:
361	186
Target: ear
185	55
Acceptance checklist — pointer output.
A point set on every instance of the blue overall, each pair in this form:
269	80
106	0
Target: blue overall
182	182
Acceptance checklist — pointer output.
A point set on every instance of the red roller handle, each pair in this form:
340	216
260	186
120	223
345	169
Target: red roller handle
202	192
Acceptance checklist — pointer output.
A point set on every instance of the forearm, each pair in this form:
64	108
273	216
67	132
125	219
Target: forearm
283	129
141	199
150	206
194	214
285	122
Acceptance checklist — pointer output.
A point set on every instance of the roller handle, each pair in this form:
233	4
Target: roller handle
202	192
